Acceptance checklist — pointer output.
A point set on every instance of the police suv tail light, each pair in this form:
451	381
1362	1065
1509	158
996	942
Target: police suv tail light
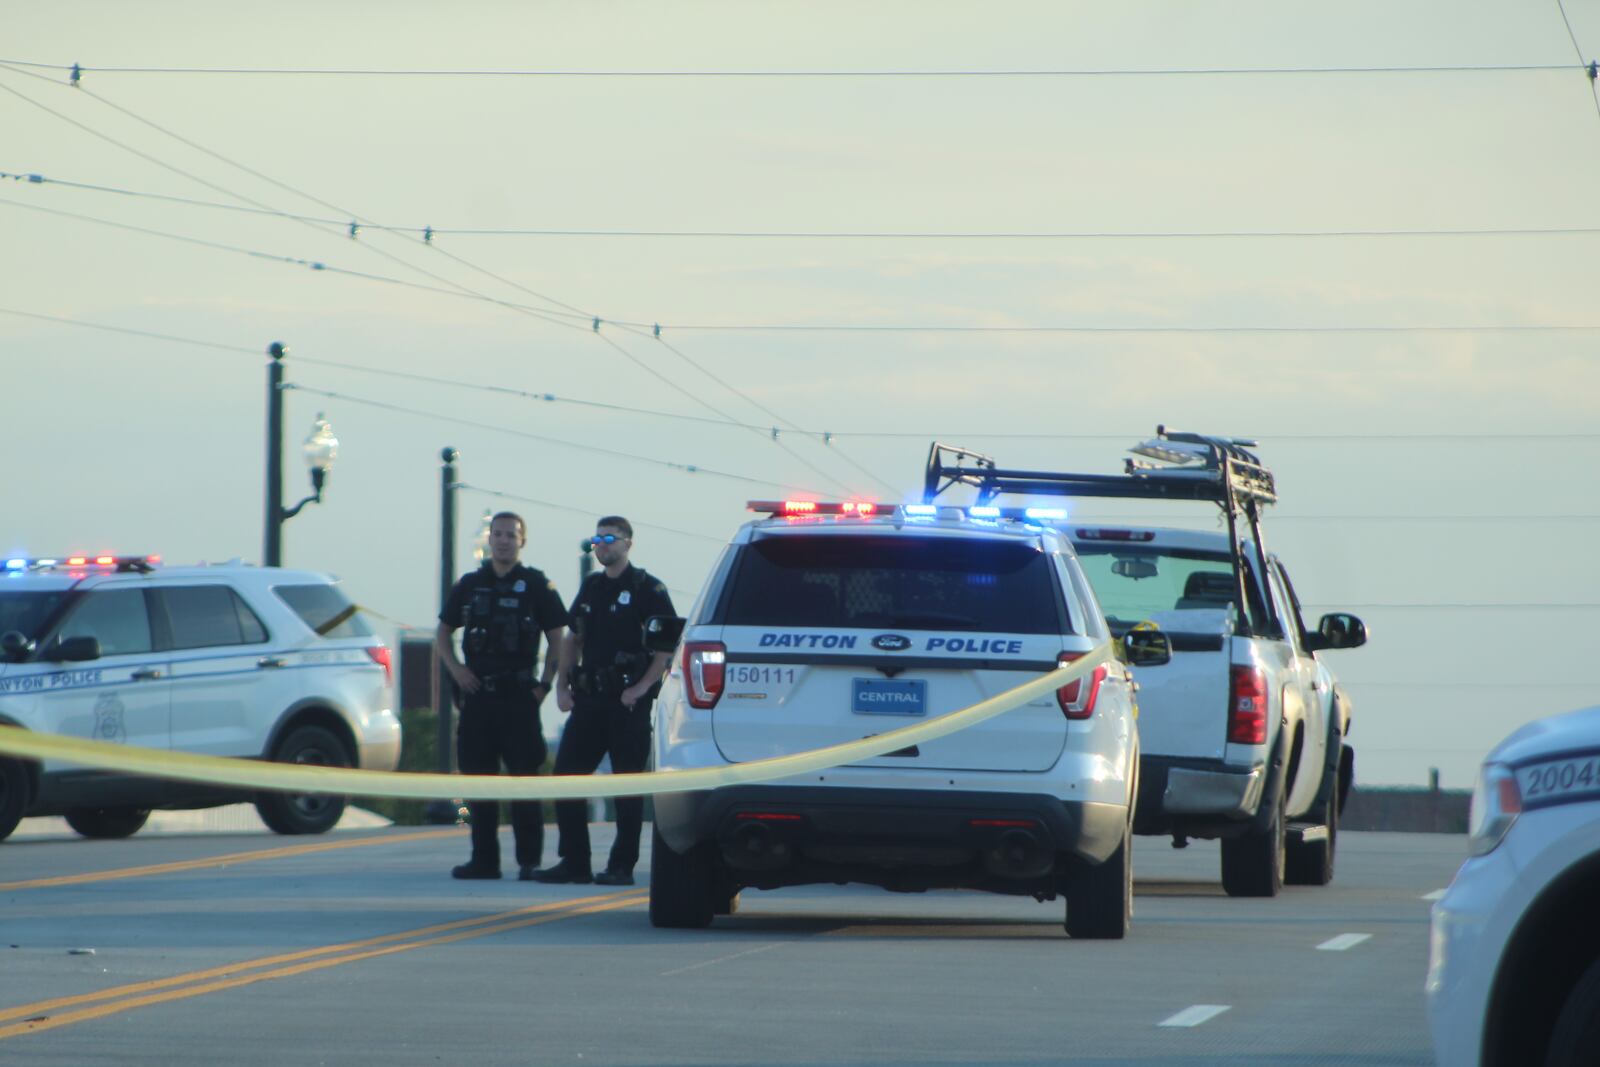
380	656
1247	706
703	672
1077	697
1496	803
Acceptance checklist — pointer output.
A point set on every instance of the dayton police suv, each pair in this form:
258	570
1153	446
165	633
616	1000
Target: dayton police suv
227	660
825	623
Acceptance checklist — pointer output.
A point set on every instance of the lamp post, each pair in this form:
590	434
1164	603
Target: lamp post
320	449
443	811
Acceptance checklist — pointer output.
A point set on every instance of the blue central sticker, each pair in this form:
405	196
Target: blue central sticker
888	696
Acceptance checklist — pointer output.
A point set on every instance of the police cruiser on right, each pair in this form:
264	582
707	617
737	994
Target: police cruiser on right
825	623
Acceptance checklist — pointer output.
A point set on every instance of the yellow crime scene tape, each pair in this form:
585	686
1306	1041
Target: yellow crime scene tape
304	778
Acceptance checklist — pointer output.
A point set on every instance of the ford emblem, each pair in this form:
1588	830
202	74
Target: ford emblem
891	642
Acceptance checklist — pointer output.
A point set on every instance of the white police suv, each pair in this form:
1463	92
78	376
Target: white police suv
229	660
824	623
1514	968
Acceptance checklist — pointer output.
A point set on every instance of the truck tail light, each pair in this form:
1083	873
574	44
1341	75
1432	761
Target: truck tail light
703	672
380	656
1247	706
1077	697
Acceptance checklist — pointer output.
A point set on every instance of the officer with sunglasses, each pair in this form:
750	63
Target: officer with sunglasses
608	681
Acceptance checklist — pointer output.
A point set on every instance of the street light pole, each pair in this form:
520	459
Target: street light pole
443	811
272	549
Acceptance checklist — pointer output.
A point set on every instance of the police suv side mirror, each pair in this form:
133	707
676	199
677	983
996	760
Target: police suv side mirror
1337	629
1147	648
73	650
14	644
663	632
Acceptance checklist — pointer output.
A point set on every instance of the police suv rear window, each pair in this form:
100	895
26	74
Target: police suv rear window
325	610
914	583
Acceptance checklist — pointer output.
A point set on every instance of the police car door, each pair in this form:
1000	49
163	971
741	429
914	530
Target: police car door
836	635
124	696
224	691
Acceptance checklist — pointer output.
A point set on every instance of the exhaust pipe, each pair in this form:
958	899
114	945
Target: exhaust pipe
1017	853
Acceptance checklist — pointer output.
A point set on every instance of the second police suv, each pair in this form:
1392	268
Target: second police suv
825	623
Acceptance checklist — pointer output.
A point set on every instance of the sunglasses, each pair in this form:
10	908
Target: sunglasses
605	539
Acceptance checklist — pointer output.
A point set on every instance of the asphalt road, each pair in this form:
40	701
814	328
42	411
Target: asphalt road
357	948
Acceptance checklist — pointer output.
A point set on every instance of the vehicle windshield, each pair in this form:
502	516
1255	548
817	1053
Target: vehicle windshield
28	612
913	583
1133	583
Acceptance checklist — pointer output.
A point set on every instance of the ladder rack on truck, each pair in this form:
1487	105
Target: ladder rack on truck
1196	467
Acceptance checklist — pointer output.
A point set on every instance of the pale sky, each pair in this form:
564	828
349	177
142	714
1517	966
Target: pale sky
1441	484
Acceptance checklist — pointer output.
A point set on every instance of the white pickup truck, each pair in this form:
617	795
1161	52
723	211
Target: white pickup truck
1243	734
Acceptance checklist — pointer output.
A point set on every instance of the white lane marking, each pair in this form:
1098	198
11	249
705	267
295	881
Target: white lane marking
720	959
1342	942
1437	894
1195	1015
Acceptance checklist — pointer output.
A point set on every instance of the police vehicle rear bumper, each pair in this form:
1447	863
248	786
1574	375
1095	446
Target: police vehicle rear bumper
900	838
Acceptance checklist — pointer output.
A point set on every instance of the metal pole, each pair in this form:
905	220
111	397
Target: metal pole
442	811
585	560
272	546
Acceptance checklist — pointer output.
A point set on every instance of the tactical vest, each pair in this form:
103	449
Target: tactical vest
500	633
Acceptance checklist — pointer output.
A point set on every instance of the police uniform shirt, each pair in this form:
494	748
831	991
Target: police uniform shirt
612	612
524	597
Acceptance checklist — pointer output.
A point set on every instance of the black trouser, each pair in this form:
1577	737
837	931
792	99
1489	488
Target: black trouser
495	728
599	727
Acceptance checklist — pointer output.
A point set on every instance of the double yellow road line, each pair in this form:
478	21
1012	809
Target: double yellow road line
64	1011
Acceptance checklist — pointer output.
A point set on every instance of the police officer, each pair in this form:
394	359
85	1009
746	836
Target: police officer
609	683
504	606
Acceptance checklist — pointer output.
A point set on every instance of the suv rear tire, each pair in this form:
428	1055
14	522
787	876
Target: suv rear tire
683	886
13	795
1100	899
107	823
305	813
1577	1030
1252	865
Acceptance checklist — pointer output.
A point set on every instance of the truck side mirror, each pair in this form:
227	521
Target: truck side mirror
1337	629
663	632
1147	648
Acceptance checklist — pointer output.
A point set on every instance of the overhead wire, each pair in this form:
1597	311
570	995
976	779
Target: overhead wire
930	72
870	235
501	494
1589	67
464	290
685	468
1480	438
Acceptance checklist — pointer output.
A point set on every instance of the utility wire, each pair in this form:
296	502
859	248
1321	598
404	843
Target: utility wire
1590	67
461	288
869	235
685	468
318	265
1274	438
1039	72
586	511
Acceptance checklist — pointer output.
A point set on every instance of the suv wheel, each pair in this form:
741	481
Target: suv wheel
13	795
1577	1032
107	822
305	813
683	887
1252	865
1100	899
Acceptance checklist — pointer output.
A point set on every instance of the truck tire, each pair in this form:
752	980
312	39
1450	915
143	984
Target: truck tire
107	823
13	795
1252	865
1576	1036
305	813
1311	862
1100	899
683	886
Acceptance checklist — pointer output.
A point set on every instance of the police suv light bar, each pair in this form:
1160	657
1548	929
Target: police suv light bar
866	509
140	564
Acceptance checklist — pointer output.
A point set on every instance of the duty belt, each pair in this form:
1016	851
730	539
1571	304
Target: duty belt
507	681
